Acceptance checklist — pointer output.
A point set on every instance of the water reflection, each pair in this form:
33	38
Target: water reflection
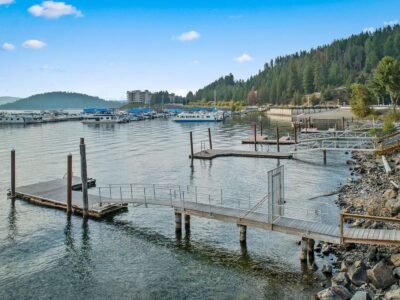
12	222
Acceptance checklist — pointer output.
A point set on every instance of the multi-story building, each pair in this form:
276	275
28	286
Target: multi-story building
139	96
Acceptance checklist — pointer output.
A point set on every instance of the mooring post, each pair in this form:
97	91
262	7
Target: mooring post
343	123
209	138
306	125
324	156
242	237
82	148
191	149
69	184
277	139
295	133
255	137
261	128
178	221
303	249
13	174
187	222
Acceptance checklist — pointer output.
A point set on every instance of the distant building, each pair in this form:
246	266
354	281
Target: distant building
138	96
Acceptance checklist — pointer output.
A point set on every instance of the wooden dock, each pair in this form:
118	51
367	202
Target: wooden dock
53	194
265	140
213	153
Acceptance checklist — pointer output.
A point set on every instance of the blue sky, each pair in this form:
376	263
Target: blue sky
106	47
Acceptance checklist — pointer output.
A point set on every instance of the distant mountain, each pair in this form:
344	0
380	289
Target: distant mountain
60	100
6	99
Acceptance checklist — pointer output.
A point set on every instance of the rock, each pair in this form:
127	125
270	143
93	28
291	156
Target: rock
395	260
326	249
390	194
393	295
361	295
393	205
358	273
344	266
327	268
371	253
396	272
381	275
334	293
340	279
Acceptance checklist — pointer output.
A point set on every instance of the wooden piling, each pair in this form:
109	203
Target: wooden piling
209	138
242	237
187	222
191	149
69	184
178	221
13	174
303	249
277	139
310	249
295	133
324	151
343	123
82	148
261	128
255	137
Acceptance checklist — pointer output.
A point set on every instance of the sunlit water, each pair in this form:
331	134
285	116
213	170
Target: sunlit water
137	255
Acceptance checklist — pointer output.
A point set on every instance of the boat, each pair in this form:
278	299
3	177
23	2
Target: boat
104	119
200	116
16	119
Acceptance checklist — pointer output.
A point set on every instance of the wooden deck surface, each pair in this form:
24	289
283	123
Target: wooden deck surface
213	153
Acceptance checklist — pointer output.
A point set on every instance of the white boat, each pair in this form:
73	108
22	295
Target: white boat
16	119
103	119
200	116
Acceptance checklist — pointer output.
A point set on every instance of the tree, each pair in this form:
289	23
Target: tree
361	99
387	78
189	97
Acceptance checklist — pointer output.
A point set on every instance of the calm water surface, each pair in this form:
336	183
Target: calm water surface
136	255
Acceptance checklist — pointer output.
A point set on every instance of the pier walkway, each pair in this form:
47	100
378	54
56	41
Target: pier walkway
272	212
213	153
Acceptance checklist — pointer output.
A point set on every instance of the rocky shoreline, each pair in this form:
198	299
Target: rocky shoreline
362	271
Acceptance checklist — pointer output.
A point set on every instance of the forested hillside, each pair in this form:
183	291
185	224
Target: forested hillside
288	78
60	100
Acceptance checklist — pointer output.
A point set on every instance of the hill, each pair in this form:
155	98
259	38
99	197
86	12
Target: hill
60	100
289	78
6	99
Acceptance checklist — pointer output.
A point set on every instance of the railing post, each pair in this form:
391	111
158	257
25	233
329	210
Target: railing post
295	133
324	151
170	196
13	174
84	178
191	149
69	183
100	196
209	138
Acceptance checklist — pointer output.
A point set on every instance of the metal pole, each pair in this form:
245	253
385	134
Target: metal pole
69	184
209	138
255	137
13	174
277	139
191	149
84	178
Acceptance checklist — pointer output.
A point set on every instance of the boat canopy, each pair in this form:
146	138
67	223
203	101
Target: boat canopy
97	110
139	110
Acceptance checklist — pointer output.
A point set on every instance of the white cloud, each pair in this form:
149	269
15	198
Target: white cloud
391	23
4	2
189	36
53	10
369	29
34	44
243	58
8	46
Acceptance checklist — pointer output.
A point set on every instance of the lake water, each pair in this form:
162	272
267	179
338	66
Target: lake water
136	254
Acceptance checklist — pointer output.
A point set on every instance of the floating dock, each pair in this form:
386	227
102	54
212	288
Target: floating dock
53	194
214	153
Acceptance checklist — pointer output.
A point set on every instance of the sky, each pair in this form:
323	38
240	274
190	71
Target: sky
106	47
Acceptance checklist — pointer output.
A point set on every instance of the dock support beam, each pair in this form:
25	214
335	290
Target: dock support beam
13	174
243	231
178	222
82	148
69	184
255	137
187	222
277	139
209	138
303	249
191	149
324	151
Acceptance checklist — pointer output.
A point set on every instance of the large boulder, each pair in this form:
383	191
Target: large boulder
327	268
390	194
334	293
393	295
361	295
381	276
340	279
393	205
358	273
